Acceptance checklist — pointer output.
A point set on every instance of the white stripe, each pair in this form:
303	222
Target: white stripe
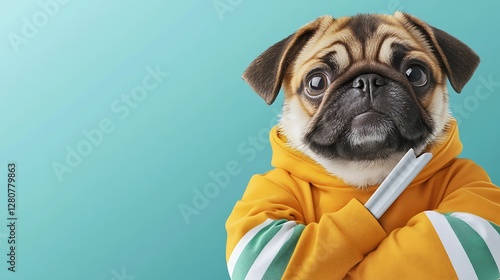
456	253
485	230
231	263
267	255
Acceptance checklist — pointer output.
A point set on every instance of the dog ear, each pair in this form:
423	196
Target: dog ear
265	74
459	61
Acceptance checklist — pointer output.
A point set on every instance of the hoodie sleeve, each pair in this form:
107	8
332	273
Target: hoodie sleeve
460	239
268	237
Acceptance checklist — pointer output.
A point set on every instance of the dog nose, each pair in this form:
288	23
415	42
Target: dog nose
369	83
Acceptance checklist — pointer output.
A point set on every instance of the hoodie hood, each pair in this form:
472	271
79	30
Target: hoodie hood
305	168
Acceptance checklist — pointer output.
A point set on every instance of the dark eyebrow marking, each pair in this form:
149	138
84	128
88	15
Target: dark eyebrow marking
328	60
399	52
346	47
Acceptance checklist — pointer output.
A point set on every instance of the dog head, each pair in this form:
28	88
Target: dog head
360	91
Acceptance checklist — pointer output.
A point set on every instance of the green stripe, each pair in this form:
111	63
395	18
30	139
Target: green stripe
497	228
254	247
475	248
280	262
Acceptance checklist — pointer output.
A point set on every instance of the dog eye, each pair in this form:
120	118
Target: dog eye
317	84
416	75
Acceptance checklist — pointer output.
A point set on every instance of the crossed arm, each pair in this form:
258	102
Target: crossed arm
268	239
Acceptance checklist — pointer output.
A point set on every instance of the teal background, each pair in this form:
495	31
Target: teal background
116	214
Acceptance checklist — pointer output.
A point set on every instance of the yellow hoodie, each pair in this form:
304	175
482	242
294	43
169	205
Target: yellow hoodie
299	222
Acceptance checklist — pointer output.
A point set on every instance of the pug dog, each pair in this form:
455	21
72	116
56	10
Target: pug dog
359	92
